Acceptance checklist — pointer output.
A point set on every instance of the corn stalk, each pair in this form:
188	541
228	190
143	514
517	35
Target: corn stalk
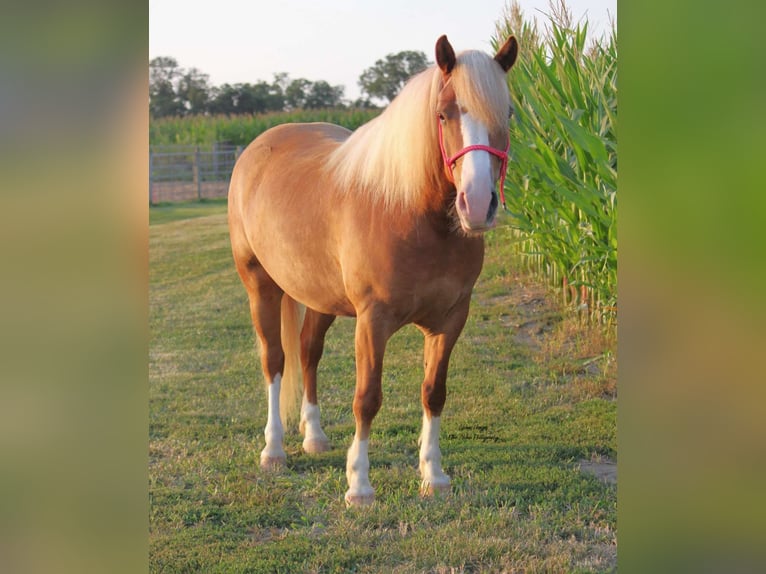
561	185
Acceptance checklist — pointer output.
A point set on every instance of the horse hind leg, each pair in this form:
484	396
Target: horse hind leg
315	327
265	299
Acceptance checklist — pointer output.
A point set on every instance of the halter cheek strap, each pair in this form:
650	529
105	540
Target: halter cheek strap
502	155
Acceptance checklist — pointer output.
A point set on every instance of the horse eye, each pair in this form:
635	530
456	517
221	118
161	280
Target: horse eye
441	117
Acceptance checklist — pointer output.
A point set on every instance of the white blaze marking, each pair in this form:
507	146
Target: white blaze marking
274	432
430	456
476	171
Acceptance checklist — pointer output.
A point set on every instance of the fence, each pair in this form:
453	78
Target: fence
184	173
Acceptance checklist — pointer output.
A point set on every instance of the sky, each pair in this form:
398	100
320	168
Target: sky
238	41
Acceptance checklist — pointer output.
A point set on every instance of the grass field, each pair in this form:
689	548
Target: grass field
163	213
532	395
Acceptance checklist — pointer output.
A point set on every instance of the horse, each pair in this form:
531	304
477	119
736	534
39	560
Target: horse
384	224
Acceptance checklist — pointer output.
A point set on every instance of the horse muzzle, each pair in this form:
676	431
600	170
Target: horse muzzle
477	213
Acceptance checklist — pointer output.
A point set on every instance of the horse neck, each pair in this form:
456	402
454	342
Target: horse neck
439	198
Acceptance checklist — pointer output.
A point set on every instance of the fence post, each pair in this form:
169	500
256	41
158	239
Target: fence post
151	200
196	173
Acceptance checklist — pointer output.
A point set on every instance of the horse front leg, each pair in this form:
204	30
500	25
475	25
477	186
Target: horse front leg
438	347
370	343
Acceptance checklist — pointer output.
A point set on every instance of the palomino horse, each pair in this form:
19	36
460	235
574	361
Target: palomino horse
384	224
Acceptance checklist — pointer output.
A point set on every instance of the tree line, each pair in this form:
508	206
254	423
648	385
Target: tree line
177	91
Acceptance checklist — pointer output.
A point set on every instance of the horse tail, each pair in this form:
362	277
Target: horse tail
291	389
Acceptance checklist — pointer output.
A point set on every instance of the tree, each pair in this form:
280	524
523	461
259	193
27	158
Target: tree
295	94
323	95
259	98
193	91
163	70
246	99
175	91
363	104
386	78
223	100
281	81
163	98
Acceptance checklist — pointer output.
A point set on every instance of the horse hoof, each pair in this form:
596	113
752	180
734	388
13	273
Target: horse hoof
315	445
435	489
359	500
273	462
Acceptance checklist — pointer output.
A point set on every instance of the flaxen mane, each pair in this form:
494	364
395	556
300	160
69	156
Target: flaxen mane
395	156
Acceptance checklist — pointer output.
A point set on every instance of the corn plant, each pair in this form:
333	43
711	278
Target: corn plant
241	130
561	185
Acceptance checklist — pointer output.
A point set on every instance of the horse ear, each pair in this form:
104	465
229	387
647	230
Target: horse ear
445	55
506	55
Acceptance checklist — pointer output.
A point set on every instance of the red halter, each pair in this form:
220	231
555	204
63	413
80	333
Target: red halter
503	155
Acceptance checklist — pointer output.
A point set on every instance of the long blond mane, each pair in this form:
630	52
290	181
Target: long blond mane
395	157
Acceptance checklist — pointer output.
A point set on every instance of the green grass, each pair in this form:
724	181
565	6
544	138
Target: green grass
530	394
166	212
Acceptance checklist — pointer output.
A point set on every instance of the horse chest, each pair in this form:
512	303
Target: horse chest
422	279
441	286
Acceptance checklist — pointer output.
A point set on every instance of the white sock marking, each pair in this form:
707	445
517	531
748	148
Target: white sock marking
309	425
430	455
274	431
358	469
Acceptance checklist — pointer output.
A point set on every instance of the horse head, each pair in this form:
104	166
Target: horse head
473	110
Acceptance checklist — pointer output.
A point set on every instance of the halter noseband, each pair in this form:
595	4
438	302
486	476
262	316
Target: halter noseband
502	155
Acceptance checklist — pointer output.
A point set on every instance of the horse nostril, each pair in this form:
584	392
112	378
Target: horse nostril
462	202
492	206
